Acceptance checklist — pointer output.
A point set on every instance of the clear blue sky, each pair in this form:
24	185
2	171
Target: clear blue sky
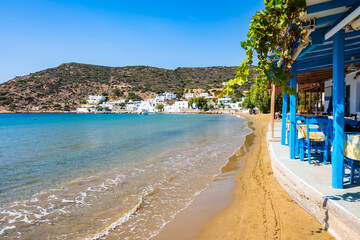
39	34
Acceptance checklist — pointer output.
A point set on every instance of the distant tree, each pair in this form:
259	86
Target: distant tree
134	97
256	97
199	101
66	108
9	100
12	107
83	102
247	103
117	92
57	106
234	98
179	94
106	109
159	106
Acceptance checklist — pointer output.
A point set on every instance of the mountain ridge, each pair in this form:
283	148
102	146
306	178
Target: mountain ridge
64	87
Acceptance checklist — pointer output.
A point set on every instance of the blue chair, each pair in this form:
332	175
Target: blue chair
351	165
352	153
307	145
299	119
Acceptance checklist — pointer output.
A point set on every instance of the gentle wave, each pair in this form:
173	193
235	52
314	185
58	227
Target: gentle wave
117	202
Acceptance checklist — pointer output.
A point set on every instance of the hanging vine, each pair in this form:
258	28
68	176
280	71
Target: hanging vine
272	34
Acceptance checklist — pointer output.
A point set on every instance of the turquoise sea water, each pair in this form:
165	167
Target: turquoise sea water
96	171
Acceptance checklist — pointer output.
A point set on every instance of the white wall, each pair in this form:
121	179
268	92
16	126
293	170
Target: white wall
354	92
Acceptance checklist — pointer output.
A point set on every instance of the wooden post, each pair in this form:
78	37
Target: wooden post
272	109
337	157
310	101
305	101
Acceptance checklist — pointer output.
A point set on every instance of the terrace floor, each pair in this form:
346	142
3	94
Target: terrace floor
310	186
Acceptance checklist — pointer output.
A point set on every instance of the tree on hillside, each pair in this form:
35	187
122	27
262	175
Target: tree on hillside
134	97
117	92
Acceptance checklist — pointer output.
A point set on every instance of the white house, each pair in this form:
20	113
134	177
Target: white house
146	105
169	96
170	108
352	94
160	99
206	95
189	95
181	105
132	106
95	99
225	100
109	105
120	101
235	106
86	109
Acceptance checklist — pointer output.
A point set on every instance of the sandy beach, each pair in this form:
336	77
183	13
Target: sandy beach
257	209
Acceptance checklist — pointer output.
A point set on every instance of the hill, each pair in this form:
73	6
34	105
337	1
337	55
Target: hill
65	86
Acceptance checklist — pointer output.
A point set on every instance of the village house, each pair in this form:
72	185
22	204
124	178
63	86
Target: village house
95	99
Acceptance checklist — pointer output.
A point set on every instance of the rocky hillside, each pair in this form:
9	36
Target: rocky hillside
65	86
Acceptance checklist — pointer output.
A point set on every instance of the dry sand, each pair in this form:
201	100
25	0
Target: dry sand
257	208
261	209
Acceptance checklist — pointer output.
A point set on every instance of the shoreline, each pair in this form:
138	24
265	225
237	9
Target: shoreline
259	208
212	200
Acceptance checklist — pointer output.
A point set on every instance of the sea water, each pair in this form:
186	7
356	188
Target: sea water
76	176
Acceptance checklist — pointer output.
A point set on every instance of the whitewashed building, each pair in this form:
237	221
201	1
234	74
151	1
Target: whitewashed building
86	109
181	105
225	100
95	99
189	95
146	105
206	95
109	105
130	107
170	108
235	106
352	94
169	96
160	99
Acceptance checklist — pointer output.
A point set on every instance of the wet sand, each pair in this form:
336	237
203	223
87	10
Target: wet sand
258	207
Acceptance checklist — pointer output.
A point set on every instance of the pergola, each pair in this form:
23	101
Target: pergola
332	45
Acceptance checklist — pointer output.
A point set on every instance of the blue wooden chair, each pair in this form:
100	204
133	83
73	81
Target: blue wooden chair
352	153
351	165
299	119
310	144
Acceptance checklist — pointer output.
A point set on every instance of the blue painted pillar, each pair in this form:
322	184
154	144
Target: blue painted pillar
293	114
337	158
283	120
